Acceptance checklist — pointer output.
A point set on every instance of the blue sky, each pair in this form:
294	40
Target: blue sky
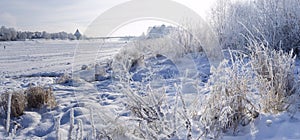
68	15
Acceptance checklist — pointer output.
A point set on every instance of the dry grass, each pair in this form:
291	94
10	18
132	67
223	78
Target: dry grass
275	77
37	97
18	102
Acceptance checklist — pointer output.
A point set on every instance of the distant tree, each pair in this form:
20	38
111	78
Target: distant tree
63	35
71	36
10	34
46	35
29	35
2	36
13	34
54	35
6	34
21	35
38	35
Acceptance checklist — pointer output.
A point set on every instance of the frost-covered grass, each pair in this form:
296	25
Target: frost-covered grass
277	84
275	23
230	104
247	85
15	106
158	97
38	97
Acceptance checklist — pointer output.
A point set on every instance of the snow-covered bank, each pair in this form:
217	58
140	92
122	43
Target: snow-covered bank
102	107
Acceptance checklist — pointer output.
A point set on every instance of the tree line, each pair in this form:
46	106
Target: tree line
10	34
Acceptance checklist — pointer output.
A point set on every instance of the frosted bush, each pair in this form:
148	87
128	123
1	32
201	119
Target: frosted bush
64	79
275	76
175	45
230	103
101	71
275	23
189	36
127	58
154	114
149	113
38	97
263	81
18	103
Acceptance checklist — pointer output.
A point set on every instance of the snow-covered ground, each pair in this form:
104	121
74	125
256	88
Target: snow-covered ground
96	103
41	62
31	57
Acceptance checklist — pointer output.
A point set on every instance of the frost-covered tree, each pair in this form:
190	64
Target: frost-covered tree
8	34
22	36
29	35
274	23
63	35
71	36
13	34
46	35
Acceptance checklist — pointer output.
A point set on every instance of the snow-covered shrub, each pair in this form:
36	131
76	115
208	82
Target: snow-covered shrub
37	97
230	103
104	124
112	128
150	115
186	39
175	45
154	114
274	72
18	103
274	22
167	45
126	59
64	79
184	35
102	70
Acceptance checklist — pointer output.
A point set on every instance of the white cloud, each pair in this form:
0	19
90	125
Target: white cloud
63	15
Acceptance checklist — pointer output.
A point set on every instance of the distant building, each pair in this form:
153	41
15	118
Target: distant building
159	31
77	34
